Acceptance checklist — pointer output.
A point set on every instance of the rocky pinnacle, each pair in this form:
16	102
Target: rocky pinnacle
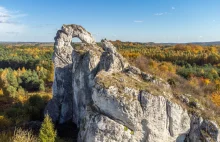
111	101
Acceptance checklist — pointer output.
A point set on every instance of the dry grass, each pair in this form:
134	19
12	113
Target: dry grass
122	80
18	136
5	136
23	136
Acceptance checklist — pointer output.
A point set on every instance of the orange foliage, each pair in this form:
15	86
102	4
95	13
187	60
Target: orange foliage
189	47
163	68
51	74
127	54
153	64
195	82
216	98
206	81
23	70
1	92
37	68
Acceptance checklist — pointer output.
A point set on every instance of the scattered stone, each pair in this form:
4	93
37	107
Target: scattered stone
184	99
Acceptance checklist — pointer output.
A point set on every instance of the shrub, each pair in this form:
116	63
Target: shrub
4	122
11	91
216	98
5	137
31	82
23	136
31	110
1	92
21	91
16	113
47	132
58	139
46	98
35	107
171	82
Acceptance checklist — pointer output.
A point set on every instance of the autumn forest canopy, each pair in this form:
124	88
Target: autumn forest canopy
26	75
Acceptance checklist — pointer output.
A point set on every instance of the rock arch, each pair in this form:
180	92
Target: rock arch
67	32
64	58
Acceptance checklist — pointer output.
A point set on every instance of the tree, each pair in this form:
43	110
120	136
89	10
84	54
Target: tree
47	132
11	78
31	82
11	91
34	107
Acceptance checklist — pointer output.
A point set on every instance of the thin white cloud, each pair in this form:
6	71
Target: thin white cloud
159	14
173	8
10	24
4	15
200	36
13	33
213	20
114	35
138	21
43	26
10	17
95	34
162	13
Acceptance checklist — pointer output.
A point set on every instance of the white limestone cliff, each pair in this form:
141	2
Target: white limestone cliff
112	101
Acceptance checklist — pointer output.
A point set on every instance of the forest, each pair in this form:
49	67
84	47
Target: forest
26	77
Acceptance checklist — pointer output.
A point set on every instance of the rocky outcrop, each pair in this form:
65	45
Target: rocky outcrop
112	101
203	131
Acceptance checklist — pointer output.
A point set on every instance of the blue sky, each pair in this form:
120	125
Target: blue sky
126	20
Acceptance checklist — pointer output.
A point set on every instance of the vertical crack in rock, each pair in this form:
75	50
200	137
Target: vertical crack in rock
146	131
142	101
170	119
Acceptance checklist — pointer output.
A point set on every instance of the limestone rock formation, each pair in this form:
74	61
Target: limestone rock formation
112	101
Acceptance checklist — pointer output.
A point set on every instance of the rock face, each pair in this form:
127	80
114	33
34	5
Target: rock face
112	101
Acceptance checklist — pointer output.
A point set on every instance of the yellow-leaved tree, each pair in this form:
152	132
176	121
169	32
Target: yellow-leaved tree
47	132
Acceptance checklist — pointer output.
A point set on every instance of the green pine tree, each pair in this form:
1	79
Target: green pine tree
47	132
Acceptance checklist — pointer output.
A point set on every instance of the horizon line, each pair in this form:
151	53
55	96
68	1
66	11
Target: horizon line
113	40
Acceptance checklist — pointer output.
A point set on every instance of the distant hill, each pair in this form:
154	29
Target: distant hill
207	43
198	43
28	43
147	43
